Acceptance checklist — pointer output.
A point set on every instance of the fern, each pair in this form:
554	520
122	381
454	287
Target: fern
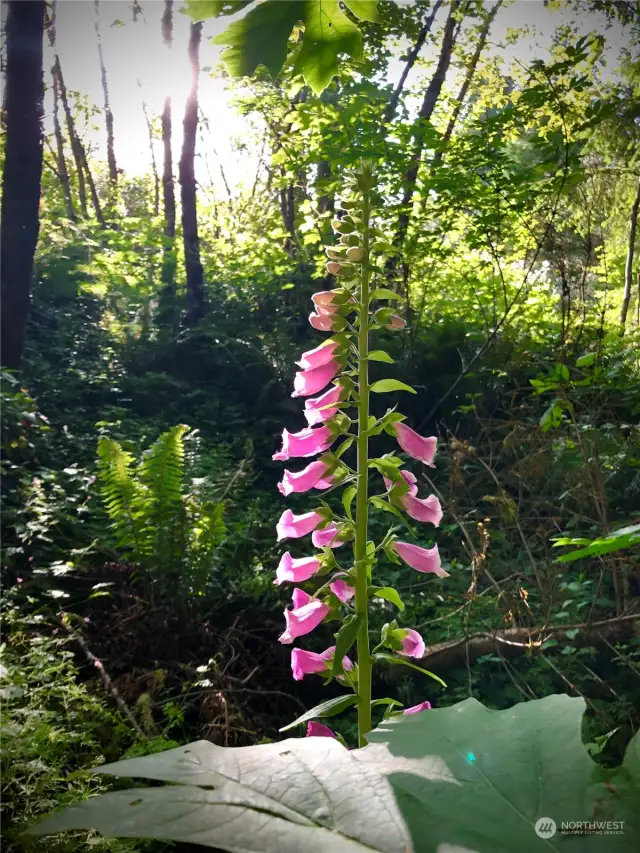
172	532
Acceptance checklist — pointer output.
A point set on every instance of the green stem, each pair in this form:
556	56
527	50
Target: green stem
362	497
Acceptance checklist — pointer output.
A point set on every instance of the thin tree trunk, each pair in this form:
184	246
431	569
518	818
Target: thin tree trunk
22	175
76	146
471	70
326	200
108	115
154	165
628	267
63	172
426	111
392	106
168	189
193	267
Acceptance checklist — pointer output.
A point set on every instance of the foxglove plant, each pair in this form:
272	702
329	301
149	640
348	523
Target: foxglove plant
351	312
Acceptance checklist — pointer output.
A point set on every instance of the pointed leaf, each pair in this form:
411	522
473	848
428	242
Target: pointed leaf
384	386
325	709
404	662
380	355
390	594
345	638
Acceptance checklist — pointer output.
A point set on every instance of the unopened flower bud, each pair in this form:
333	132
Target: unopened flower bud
355	254
333	267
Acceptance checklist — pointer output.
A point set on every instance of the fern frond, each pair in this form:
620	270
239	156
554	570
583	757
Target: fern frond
120	492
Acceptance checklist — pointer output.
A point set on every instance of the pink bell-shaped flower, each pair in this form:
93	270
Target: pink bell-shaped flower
418	446
302	481
296	570
293	526
307	613
416	709
307	442
323	302
327	537
421	559
423	509
342	590
410	480
314	358
314	410
307	382
322	322
412	645
310	663
318	730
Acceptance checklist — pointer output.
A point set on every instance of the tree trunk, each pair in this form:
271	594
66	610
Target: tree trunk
21	179
76	146
108	115
193	267
392	106
628	267
471	70
63	172
168	188
426	111
154	165
326	201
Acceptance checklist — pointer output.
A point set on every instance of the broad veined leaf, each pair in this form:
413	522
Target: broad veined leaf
365	10
260	37
384	386
468	778
300	794
463	778
200	10
327	33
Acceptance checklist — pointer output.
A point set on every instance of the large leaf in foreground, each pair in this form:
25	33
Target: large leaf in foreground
463	779
307	794
468	778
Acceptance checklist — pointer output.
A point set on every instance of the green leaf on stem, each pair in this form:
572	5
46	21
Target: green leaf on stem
345	638
403	662
384	293
385	506
325	709
347	499
389	594
386	386
380	355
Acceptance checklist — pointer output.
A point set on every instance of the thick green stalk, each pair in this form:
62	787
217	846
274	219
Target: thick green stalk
362	497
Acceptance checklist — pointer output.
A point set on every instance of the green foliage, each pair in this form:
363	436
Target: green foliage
625	537
464	776
52	727
168	526
262	36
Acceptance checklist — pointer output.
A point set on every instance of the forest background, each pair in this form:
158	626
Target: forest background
182	218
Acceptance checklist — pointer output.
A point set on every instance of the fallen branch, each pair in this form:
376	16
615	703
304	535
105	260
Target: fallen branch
108	684
515	641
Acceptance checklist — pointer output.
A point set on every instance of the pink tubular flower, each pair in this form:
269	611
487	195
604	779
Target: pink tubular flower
296	571
314	410
410	480
309	663
307	442
302	481
323	302
415	709
328	536
325	483
307	614
318	730
314	358
396	323
412	645
322	322
427	509
293	526
307	382
416	445
421	559
342	590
